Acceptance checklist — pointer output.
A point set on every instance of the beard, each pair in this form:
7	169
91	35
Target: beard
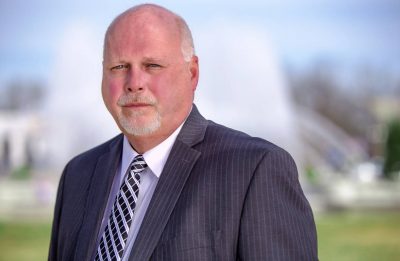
130	121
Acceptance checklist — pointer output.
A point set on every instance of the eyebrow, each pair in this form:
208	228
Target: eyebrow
152	59
115	61
145	60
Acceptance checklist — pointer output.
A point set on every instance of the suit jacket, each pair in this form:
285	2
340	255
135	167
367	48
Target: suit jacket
222	195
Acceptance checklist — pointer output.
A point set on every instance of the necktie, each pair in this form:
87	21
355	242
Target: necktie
112	242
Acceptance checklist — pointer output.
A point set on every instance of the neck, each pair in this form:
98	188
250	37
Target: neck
142	144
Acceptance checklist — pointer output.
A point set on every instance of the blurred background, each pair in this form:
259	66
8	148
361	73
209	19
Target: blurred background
319	78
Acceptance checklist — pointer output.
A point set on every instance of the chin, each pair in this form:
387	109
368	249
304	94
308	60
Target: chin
131	127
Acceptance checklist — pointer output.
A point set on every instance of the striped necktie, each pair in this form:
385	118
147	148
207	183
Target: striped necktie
112	242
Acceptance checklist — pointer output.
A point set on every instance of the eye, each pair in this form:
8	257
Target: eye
153	65
119	67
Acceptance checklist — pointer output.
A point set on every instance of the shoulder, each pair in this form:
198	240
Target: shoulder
232	138
79	170
93	154
241	146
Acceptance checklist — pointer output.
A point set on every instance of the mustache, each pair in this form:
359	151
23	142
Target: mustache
132	98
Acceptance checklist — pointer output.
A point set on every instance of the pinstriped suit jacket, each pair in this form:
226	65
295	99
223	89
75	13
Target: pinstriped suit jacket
223	195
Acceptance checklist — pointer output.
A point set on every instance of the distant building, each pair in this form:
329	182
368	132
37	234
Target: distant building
19	140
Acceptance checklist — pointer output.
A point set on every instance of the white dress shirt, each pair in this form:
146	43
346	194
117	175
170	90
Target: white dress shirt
155	159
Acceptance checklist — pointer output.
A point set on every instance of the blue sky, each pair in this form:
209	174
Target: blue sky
348	32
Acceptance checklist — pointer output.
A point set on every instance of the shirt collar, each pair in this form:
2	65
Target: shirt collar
155	158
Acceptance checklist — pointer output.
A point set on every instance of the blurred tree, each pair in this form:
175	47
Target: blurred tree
347	96
5	161
322	90
21	95
392	150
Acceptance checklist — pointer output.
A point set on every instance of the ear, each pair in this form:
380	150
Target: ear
194	71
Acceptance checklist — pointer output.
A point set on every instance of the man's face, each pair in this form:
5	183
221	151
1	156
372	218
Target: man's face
147	85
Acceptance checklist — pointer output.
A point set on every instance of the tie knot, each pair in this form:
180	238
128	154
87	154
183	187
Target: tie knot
138	164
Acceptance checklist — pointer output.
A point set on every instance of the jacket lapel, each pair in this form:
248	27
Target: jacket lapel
172	180
101	181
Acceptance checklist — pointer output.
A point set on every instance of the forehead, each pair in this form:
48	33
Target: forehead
143	31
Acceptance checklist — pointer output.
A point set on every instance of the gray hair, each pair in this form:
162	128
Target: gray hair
187	45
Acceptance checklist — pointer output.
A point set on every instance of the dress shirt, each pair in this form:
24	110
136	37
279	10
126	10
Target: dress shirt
155	159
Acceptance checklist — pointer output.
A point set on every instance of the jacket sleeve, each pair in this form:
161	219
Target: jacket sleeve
54	242
277	222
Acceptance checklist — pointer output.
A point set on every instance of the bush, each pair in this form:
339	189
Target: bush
392	150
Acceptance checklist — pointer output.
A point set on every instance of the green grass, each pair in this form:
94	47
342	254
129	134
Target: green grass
341	236
22	241
359	236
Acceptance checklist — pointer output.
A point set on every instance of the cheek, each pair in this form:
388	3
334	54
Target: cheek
171	92
165	93
111	92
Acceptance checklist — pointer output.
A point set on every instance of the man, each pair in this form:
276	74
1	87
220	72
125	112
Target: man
174	186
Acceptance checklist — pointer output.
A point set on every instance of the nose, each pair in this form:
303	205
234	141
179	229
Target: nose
134	81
